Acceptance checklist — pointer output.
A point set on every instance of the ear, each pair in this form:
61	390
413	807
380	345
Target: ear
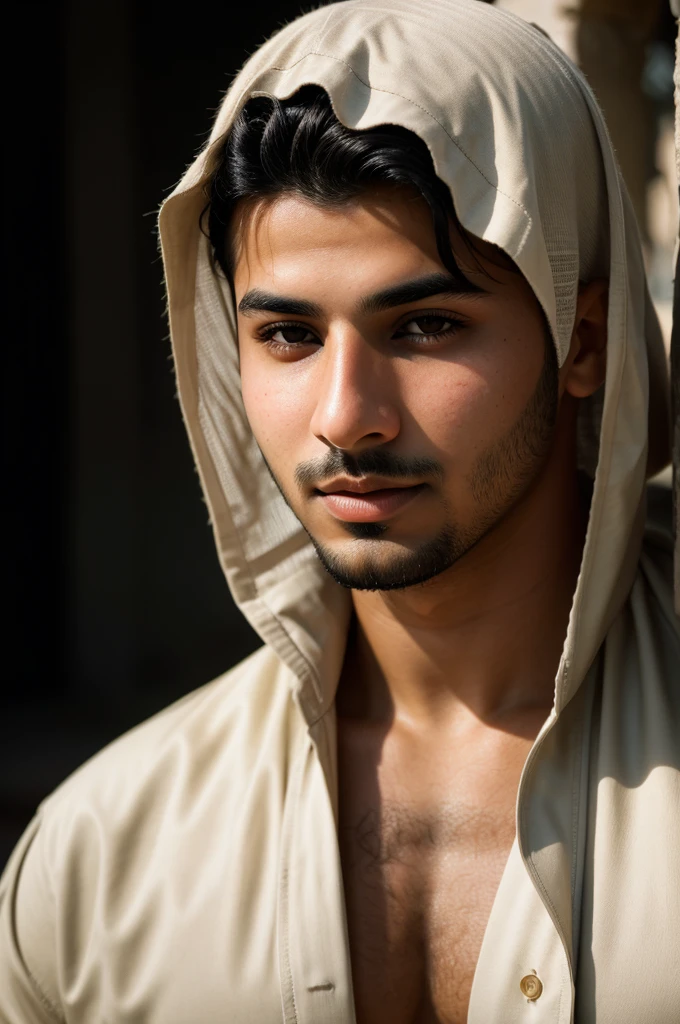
584	368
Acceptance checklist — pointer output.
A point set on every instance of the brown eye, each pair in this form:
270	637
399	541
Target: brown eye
292	336
426	325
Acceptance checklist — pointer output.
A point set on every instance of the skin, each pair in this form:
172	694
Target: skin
446	683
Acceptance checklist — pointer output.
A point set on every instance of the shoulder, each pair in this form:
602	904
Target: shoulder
201	749
114	828
234	708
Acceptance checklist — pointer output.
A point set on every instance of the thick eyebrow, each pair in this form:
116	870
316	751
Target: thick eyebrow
419	288
258	301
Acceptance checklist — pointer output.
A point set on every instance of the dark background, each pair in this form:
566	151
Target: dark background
115	601
116	604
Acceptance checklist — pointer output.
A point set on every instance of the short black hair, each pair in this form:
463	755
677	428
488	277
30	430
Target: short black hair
299	147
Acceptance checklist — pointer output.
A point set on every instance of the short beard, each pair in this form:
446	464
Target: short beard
503	473
499	478
411	569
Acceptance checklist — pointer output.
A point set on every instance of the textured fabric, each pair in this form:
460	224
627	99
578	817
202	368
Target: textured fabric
191	871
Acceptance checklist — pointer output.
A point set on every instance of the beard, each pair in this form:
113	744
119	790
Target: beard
499	478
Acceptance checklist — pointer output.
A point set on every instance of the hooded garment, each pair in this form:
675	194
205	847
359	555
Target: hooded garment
190	872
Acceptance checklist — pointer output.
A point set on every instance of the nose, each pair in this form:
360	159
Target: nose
357	404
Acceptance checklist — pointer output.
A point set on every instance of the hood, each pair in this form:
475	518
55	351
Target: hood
514	131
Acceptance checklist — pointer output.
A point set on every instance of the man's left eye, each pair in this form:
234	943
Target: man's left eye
424	325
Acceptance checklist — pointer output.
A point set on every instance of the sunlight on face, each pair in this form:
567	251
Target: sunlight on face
364	369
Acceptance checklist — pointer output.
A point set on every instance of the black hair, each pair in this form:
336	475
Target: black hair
299	147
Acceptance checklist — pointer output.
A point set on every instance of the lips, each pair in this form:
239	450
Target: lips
368	506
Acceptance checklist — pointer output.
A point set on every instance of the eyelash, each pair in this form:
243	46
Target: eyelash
265	334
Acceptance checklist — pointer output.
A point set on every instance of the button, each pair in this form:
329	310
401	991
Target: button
531	987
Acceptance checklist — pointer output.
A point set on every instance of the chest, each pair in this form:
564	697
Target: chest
424	840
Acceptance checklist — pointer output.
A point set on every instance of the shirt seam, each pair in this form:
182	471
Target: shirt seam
285	894
47	1003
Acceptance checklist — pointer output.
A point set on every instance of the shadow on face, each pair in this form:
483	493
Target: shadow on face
401	413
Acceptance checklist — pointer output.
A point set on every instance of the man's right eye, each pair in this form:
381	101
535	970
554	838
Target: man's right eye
288	334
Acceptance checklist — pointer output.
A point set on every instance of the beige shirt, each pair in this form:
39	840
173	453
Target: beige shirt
190	872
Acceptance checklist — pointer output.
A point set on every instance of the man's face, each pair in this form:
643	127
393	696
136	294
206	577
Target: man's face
401	418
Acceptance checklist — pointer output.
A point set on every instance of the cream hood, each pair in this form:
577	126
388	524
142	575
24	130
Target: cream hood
192	871
514	131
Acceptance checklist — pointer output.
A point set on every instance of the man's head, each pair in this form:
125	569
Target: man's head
381	348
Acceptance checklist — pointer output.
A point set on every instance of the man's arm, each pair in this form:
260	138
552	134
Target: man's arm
28	986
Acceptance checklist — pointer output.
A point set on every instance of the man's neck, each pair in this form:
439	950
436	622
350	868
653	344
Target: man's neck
482	639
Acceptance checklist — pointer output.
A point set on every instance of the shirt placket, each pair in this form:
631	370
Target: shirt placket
314	962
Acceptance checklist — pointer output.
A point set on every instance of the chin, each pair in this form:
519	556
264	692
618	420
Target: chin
381	564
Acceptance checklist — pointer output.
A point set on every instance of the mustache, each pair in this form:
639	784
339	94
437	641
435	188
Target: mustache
372	462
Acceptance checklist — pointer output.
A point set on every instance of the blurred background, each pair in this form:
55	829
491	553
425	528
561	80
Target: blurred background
116	603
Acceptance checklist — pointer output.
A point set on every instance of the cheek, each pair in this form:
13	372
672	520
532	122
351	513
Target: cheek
275	410
464	407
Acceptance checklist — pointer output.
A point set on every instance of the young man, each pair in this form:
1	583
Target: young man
423	385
